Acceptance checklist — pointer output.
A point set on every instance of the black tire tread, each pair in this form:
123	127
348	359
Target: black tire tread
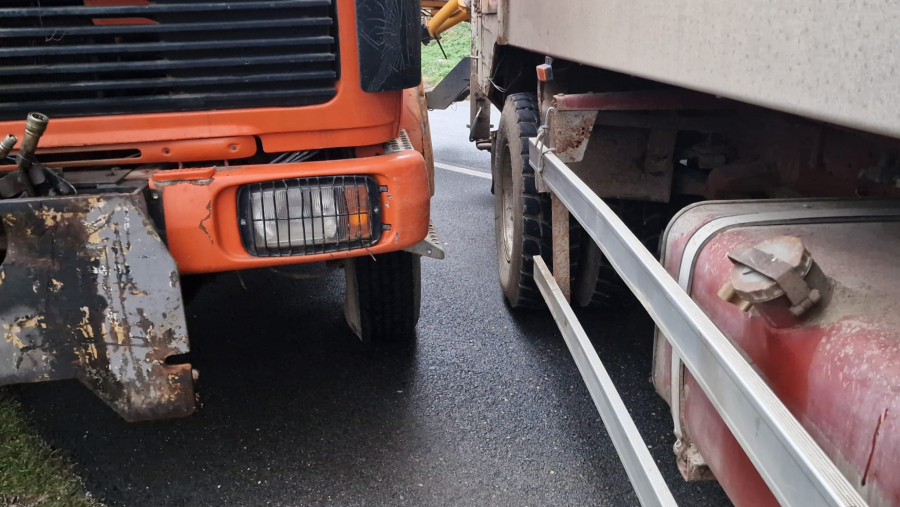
388	296
537	216
646	220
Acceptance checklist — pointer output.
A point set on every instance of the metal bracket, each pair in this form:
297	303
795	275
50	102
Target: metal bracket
570	132
573	117
538	165
430	246
453	88
691	463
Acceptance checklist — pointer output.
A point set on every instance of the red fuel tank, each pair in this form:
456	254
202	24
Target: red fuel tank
809	291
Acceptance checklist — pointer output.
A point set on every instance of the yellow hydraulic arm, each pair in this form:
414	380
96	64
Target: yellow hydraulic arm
445	14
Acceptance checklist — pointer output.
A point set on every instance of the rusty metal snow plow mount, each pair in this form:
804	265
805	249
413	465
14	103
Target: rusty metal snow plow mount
88	290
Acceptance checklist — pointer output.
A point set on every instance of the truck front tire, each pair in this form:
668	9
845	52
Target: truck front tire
523	222
384	296
522	215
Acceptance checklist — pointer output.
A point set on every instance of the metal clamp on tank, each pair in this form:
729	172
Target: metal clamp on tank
777	277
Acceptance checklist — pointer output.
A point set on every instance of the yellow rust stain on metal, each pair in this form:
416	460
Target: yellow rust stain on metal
102	258
85	325
104	335
85	354
32	322
115	328
96	227
13	330
12	336
52	217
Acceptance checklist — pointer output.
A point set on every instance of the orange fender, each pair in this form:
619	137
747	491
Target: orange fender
414	120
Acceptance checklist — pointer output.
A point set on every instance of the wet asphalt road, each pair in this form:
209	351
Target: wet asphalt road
487	409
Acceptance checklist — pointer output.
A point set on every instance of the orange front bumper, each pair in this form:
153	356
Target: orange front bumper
201	215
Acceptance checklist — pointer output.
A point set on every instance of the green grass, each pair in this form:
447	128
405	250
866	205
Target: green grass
457	44
31	474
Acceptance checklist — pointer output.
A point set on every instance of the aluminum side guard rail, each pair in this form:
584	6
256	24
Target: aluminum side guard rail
88	290
794	467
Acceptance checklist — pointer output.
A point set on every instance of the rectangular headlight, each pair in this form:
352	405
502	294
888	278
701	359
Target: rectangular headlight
303	216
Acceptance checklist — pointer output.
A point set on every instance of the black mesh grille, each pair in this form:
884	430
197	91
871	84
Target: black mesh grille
304	216
86	57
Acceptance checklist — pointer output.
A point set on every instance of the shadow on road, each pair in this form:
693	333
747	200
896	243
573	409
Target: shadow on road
623	340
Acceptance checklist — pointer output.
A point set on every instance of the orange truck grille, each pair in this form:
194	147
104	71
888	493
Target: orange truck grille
108	57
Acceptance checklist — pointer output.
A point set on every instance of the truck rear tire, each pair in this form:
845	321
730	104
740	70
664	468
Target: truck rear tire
384	296
596	283
522	215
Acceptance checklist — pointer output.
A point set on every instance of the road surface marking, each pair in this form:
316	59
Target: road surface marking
462	170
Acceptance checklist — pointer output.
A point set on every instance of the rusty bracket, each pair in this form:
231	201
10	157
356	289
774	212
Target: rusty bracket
569	133
691	463
88	290
802	297
668	99
539	167
573	116
560	232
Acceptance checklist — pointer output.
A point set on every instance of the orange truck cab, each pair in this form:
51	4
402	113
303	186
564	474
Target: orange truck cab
191	137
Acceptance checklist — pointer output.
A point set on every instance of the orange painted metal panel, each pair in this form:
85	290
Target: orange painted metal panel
189	150
414	120
202	217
